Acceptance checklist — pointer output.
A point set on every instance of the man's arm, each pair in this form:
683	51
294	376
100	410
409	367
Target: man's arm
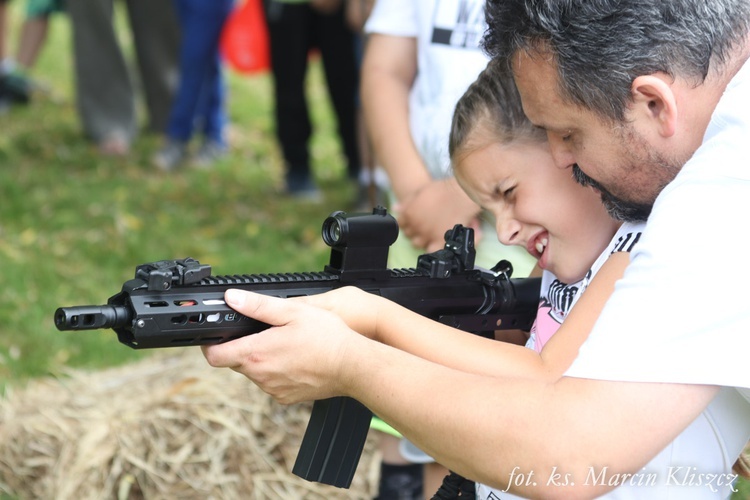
483	427
556	435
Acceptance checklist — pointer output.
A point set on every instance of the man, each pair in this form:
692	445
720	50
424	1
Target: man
657	403
653	110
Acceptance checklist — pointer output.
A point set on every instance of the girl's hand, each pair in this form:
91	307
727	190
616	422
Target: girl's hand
358	309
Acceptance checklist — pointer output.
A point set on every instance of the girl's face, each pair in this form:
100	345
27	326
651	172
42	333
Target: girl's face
537	205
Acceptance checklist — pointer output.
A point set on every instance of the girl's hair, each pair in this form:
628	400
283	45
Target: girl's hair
492	101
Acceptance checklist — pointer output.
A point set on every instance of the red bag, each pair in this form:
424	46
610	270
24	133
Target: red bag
244	39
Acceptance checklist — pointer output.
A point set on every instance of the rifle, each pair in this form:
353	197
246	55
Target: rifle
179	303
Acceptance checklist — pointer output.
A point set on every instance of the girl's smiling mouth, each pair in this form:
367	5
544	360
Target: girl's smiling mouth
538	244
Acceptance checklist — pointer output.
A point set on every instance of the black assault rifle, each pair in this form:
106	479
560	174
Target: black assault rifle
178	303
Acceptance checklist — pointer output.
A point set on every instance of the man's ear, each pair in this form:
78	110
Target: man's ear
654	98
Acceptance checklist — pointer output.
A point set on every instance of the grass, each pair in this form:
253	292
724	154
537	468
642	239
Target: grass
74	224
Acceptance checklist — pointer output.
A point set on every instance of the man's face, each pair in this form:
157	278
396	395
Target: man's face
612	157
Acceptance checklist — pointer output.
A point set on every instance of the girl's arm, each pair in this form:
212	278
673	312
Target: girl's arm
562	348
394	325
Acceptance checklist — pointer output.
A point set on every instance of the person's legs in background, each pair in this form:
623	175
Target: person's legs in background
335	39
33	35
14	86
3	29
156	36
4	69
212	104
199	100
104	92
288	28
34	30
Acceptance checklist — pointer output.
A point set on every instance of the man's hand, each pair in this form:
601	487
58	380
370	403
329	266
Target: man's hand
297	359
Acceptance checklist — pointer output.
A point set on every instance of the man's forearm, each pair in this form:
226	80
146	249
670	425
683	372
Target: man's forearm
486	427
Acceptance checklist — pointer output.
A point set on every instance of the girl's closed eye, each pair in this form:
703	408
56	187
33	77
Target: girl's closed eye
502	193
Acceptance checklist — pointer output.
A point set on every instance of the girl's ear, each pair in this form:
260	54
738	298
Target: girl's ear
654	101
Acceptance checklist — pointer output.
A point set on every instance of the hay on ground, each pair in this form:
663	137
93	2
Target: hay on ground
169	426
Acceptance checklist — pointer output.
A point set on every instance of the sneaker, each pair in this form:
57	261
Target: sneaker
170	156
208	154
114	144
413	454
15	87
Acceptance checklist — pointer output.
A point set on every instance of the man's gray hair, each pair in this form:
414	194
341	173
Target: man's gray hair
601	46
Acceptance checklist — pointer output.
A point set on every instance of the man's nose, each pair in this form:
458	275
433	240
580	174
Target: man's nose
561	153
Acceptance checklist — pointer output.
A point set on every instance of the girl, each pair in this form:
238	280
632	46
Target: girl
504	164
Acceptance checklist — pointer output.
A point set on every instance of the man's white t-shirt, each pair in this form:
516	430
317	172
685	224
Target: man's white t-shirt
680	315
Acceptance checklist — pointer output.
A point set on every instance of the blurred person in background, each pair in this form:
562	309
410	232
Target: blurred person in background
15	84
295	27
105	89
201	94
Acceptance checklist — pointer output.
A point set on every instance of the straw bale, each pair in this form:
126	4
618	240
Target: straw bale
168	426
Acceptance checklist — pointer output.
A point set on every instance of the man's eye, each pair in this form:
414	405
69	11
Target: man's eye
508	192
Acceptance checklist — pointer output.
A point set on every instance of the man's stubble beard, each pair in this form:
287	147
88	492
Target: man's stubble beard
637	151
618	209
